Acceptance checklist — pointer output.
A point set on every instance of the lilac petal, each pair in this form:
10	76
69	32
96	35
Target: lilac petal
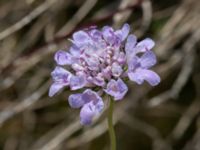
61	76
123	89
76	101
148	59
130	44
75	51
96	34
81	73
133	63
111	87
81	38
99	81
62	58
106	72
121	58
130	47
87	113
143	74
145	45
125	31
118	33
54	88
90	110
116	70
77	82
93	106
151	77
117	89
93	63
108	35
77	67
136	77
89	95
99	106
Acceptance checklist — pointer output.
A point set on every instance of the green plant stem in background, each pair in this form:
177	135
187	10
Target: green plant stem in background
110	125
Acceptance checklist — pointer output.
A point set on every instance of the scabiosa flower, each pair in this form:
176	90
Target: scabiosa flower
98	62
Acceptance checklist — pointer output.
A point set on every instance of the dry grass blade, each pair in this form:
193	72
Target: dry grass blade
27	19
67	132
185	121
78	16
23	105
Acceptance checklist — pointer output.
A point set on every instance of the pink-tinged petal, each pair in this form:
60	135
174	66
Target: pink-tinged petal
77	67
143	74
117	89
145	45
77	82
121	58
106	72
148	59
99	81
75	100
54	88
116	70
62	58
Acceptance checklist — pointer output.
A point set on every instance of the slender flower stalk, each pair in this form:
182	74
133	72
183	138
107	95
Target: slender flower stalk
110	125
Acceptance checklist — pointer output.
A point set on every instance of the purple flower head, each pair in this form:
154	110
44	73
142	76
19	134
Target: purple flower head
99	60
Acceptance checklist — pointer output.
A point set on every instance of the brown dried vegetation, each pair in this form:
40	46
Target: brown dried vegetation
162	118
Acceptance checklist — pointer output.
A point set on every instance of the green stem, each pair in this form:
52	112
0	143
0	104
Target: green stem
110	126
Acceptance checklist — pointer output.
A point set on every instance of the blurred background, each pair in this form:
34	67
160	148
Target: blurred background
165	117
